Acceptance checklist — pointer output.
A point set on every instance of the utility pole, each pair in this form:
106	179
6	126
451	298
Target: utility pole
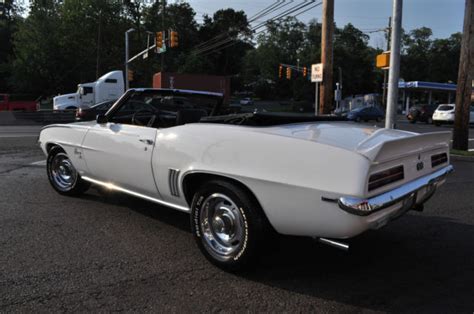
97	61
465	81
394	71
163	5
326	97
384	96
127	83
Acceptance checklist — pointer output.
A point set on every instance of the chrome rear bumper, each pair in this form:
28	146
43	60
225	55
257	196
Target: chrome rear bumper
406	195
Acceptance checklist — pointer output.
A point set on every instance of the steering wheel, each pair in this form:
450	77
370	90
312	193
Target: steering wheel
140	117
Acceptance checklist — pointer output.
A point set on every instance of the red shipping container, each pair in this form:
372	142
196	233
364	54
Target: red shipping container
200	82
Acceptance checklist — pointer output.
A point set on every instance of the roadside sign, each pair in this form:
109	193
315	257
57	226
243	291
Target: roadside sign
383	60
317	72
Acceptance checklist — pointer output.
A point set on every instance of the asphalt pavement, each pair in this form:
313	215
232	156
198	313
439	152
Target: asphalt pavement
111	252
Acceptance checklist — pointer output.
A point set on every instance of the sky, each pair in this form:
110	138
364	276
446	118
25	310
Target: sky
444	17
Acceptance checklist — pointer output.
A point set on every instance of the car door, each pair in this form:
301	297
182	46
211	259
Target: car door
364	114
121	153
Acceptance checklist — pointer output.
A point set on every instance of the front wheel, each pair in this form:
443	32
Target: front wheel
62	175
228	225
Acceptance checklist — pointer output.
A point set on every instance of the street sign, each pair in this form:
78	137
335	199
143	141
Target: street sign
317	72
383	60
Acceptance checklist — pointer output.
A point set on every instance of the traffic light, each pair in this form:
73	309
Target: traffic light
280	71
305	71
173	39
159	39
288	73
130	75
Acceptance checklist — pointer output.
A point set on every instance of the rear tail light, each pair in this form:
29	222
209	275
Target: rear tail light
439	159
385	177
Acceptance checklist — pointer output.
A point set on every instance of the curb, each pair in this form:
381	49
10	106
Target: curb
462	158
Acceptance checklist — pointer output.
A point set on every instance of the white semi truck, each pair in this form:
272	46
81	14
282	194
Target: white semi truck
110	86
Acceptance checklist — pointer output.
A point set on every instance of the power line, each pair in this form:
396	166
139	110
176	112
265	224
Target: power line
232	42
226	34
275	18
214	45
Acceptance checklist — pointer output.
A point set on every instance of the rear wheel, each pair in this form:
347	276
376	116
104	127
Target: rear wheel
228	225
62	175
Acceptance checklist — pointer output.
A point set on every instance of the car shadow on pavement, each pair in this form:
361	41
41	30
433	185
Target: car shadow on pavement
169	216
418	263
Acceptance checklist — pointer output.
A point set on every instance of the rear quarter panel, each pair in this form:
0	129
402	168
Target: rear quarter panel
288	176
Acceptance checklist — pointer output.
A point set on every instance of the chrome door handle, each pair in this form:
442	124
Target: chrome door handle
146	141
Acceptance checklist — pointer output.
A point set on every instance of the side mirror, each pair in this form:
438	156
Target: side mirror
101	118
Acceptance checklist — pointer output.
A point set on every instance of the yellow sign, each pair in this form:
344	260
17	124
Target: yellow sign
383	60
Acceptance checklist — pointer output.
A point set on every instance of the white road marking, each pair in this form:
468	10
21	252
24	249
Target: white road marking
39	163
469	139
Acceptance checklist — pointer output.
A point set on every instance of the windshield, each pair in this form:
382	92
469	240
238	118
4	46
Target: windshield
173	102
445	107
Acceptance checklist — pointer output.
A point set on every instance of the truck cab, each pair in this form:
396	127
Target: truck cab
108	87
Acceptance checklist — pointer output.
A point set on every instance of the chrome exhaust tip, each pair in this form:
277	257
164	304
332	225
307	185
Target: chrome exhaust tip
337	244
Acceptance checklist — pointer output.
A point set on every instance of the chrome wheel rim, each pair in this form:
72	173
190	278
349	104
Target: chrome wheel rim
63	173
222	225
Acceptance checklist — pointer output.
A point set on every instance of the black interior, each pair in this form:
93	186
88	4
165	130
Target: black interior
166	108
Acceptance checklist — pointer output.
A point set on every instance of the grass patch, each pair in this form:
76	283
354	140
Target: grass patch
461	152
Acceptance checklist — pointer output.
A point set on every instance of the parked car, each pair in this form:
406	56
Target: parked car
422	113
246	101
7	103
243	176
444	114
89	114
365	114
341	112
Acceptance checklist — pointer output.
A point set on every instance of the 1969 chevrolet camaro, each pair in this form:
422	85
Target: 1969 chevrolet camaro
242	176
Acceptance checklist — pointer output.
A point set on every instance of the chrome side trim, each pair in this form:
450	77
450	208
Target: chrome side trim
173	176
337	244
136	194
404	193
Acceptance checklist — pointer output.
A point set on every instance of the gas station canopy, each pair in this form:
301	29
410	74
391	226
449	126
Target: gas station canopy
427	86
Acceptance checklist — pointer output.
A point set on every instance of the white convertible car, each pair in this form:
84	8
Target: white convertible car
242	176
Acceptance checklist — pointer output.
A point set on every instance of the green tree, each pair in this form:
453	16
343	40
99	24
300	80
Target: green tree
222	43
356	59
10	18
444	59
38	58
